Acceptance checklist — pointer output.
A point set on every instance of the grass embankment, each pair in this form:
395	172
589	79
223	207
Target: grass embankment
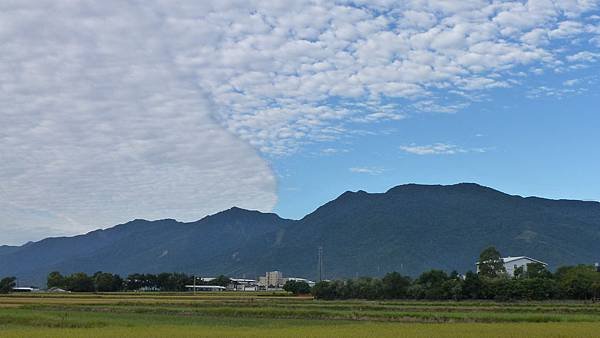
262	315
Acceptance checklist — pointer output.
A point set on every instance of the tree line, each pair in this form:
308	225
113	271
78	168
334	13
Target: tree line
107	282
491	282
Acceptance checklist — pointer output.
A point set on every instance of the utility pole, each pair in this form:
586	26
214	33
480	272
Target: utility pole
194	276
320	263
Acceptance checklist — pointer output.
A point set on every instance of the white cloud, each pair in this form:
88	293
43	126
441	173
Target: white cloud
333	151
434	107
537	36
570	89
367	170
437	149
566	29
584	57
571	82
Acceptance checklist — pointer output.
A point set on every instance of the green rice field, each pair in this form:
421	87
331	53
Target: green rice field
279	315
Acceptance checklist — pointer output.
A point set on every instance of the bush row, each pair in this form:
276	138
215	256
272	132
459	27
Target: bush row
574	282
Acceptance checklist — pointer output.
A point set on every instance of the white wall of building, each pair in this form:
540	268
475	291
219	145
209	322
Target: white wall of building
513	263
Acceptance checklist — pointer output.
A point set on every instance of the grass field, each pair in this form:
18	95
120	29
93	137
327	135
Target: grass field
279	315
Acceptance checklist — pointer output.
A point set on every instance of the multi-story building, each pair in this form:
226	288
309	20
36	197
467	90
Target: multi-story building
272	279
275	280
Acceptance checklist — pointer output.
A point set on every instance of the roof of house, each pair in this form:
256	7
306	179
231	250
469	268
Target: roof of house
512	259
25	288
297	279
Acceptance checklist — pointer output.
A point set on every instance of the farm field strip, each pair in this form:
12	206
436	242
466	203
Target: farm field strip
402	316
306	304
252	297
151	315
61	324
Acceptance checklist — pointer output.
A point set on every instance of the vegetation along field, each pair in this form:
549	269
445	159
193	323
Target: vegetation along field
266	314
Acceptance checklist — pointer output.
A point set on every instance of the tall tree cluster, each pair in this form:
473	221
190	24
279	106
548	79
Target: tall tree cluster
491	282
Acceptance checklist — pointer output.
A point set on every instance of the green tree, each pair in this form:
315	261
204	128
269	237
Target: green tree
395	286
576	282
297	287
539	289
7	284
302	288
166	282
491	264
472	286
596	290
327	290
118	283
364	288
80	282
56	280
180	280
433	286
290	286
499	289
107	282
538	270
453	289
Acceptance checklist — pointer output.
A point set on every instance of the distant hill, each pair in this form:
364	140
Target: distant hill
410	228
4	249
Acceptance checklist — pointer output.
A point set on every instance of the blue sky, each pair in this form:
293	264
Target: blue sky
546	146
119	110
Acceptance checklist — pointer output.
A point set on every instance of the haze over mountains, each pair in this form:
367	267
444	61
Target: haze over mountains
410	228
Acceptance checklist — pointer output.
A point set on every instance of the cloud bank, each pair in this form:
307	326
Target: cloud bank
99	126
112	110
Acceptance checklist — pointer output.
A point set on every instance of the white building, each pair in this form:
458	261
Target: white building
513	263
25	289
272	279
243	284
275	280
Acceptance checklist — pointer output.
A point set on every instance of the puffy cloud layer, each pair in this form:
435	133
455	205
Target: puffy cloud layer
298	71
113	110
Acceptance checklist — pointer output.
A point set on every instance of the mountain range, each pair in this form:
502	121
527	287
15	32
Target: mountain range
410	228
